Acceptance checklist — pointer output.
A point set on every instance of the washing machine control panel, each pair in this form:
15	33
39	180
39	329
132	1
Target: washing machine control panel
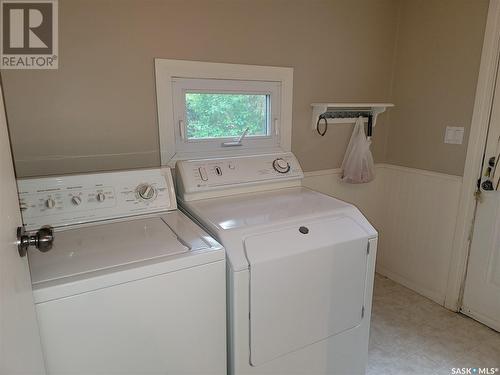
222	173
76	199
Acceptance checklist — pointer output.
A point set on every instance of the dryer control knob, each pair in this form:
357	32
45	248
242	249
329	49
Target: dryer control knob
76	200
146	191
281	165
100	197
50	203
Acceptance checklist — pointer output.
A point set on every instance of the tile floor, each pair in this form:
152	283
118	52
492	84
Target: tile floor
412	335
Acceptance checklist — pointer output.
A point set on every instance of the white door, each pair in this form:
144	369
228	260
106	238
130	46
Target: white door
481	299
20	348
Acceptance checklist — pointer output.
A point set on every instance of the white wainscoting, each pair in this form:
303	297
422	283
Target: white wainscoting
415	213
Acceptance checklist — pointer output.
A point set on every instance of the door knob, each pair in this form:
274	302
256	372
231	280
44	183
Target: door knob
42	240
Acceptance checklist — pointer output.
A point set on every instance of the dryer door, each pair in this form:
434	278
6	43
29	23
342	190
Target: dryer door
306	284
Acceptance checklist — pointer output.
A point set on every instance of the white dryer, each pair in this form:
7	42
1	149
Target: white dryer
131	285
300	265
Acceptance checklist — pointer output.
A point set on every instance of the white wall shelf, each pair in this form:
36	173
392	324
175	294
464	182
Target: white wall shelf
319	109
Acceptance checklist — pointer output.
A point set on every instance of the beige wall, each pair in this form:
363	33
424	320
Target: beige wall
436	67
98	110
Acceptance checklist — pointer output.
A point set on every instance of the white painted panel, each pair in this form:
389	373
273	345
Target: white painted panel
418	217
415	213
149	326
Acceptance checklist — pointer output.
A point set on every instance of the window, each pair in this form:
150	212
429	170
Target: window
224	114
208	109
213	114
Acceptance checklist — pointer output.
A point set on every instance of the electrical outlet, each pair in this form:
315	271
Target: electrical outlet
454	135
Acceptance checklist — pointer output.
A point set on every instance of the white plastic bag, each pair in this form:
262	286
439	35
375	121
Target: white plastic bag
357	166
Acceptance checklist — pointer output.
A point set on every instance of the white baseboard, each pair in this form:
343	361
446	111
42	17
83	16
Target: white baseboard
431	294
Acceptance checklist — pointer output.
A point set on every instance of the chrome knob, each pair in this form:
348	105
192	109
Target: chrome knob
42	240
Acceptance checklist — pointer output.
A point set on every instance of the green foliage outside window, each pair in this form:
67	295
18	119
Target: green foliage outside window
225	115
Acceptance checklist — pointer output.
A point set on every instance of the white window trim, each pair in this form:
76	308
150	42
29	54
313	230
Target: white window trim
167	71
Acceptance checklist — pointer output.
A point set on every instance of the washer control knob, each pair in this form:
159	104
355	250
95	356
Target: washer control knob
100	197
146	191
281	165
50	203
76	200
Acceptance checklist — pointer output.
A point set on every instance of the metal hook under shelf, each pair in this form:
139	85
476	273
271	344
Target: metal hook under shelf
347	114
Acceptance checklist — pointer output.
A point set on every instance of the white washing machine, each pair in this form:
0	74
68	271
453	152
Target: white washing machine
131	285
300	265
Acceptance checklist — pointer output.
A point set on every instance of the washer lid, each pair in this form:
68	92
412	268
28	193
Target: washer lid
106	246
